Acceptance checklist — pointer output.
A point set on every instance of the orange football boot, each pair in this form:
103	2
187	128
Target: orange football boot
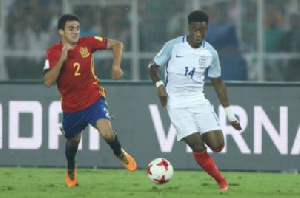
127	161
71	180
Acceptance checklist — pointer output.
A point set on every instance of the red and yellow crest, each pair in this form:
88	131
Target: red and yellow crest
84	52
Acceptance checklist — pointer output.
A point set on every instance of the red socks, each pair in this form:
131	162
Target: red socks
207	163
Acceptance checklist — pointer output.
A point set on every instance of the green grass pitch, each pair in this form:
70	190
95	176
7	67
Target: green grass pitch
21	182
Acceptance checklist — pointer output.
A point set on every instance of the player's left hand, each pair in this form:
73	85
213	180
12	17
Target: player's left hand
236	125
116	73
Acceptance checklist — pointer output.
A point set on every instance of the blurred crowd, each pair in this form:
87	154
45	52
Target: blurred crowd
30	28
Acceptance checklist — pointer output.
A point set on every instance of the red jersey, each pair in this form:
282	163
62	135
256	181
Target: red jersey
77	82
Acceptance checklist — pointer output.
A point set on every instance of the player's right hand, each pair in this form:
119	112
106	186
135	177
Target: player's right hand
64	52
163	96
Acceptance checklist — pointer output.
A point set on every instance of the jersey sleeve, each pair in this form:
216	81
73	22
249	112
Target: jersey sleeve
214	71
164	54
96	42
51	59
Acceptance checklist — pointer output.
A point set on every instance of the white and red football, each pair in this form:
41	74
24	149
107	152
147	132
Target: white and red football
160	170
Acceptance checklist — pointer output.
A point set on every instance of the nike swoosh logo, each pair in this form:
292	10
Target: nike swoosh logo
177	56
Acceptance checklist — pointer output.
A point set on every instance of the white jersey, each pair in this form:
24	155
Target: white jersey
185	71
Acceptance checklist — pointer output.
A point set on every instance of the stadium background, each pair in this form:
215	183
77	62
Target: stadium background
259	46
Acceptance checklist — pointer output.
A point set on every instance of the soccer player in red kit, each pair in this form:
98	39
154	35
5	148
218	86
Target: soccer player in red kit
70	64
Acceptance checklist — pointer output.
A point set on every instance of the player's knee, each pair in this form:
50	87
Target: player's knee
218	148
108	135
196	147
74	142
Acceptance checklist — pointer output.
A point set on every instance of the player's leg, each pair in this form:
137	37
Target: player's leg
72	125
214	140
195	142
202	158
100	119
70	153
184	121
107	133
71	150
211	135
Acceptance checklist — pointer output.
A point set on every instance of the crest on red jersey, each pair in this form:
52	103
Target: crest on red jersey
84	52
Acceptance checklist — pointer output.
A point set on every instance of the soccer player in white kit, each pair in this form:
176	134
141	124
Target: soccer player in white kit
186	58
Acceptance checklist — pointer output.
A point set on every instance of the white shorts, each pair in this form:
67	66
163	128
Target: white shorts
193	119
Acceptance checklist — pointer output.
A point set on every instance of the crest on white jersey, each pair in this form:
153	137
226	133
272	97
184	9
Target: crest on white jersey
203	61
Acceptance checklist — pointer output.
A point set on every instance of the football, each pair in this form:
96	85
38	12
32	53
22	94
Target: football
160	170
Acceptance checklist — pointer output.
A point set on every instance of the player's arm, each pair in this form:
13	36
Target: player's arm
117	49
161	89
51	76
220	89
161	58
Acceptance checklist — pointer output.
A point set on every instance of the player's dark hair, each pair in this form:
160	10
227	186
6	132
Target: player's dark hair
64	18
198	16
